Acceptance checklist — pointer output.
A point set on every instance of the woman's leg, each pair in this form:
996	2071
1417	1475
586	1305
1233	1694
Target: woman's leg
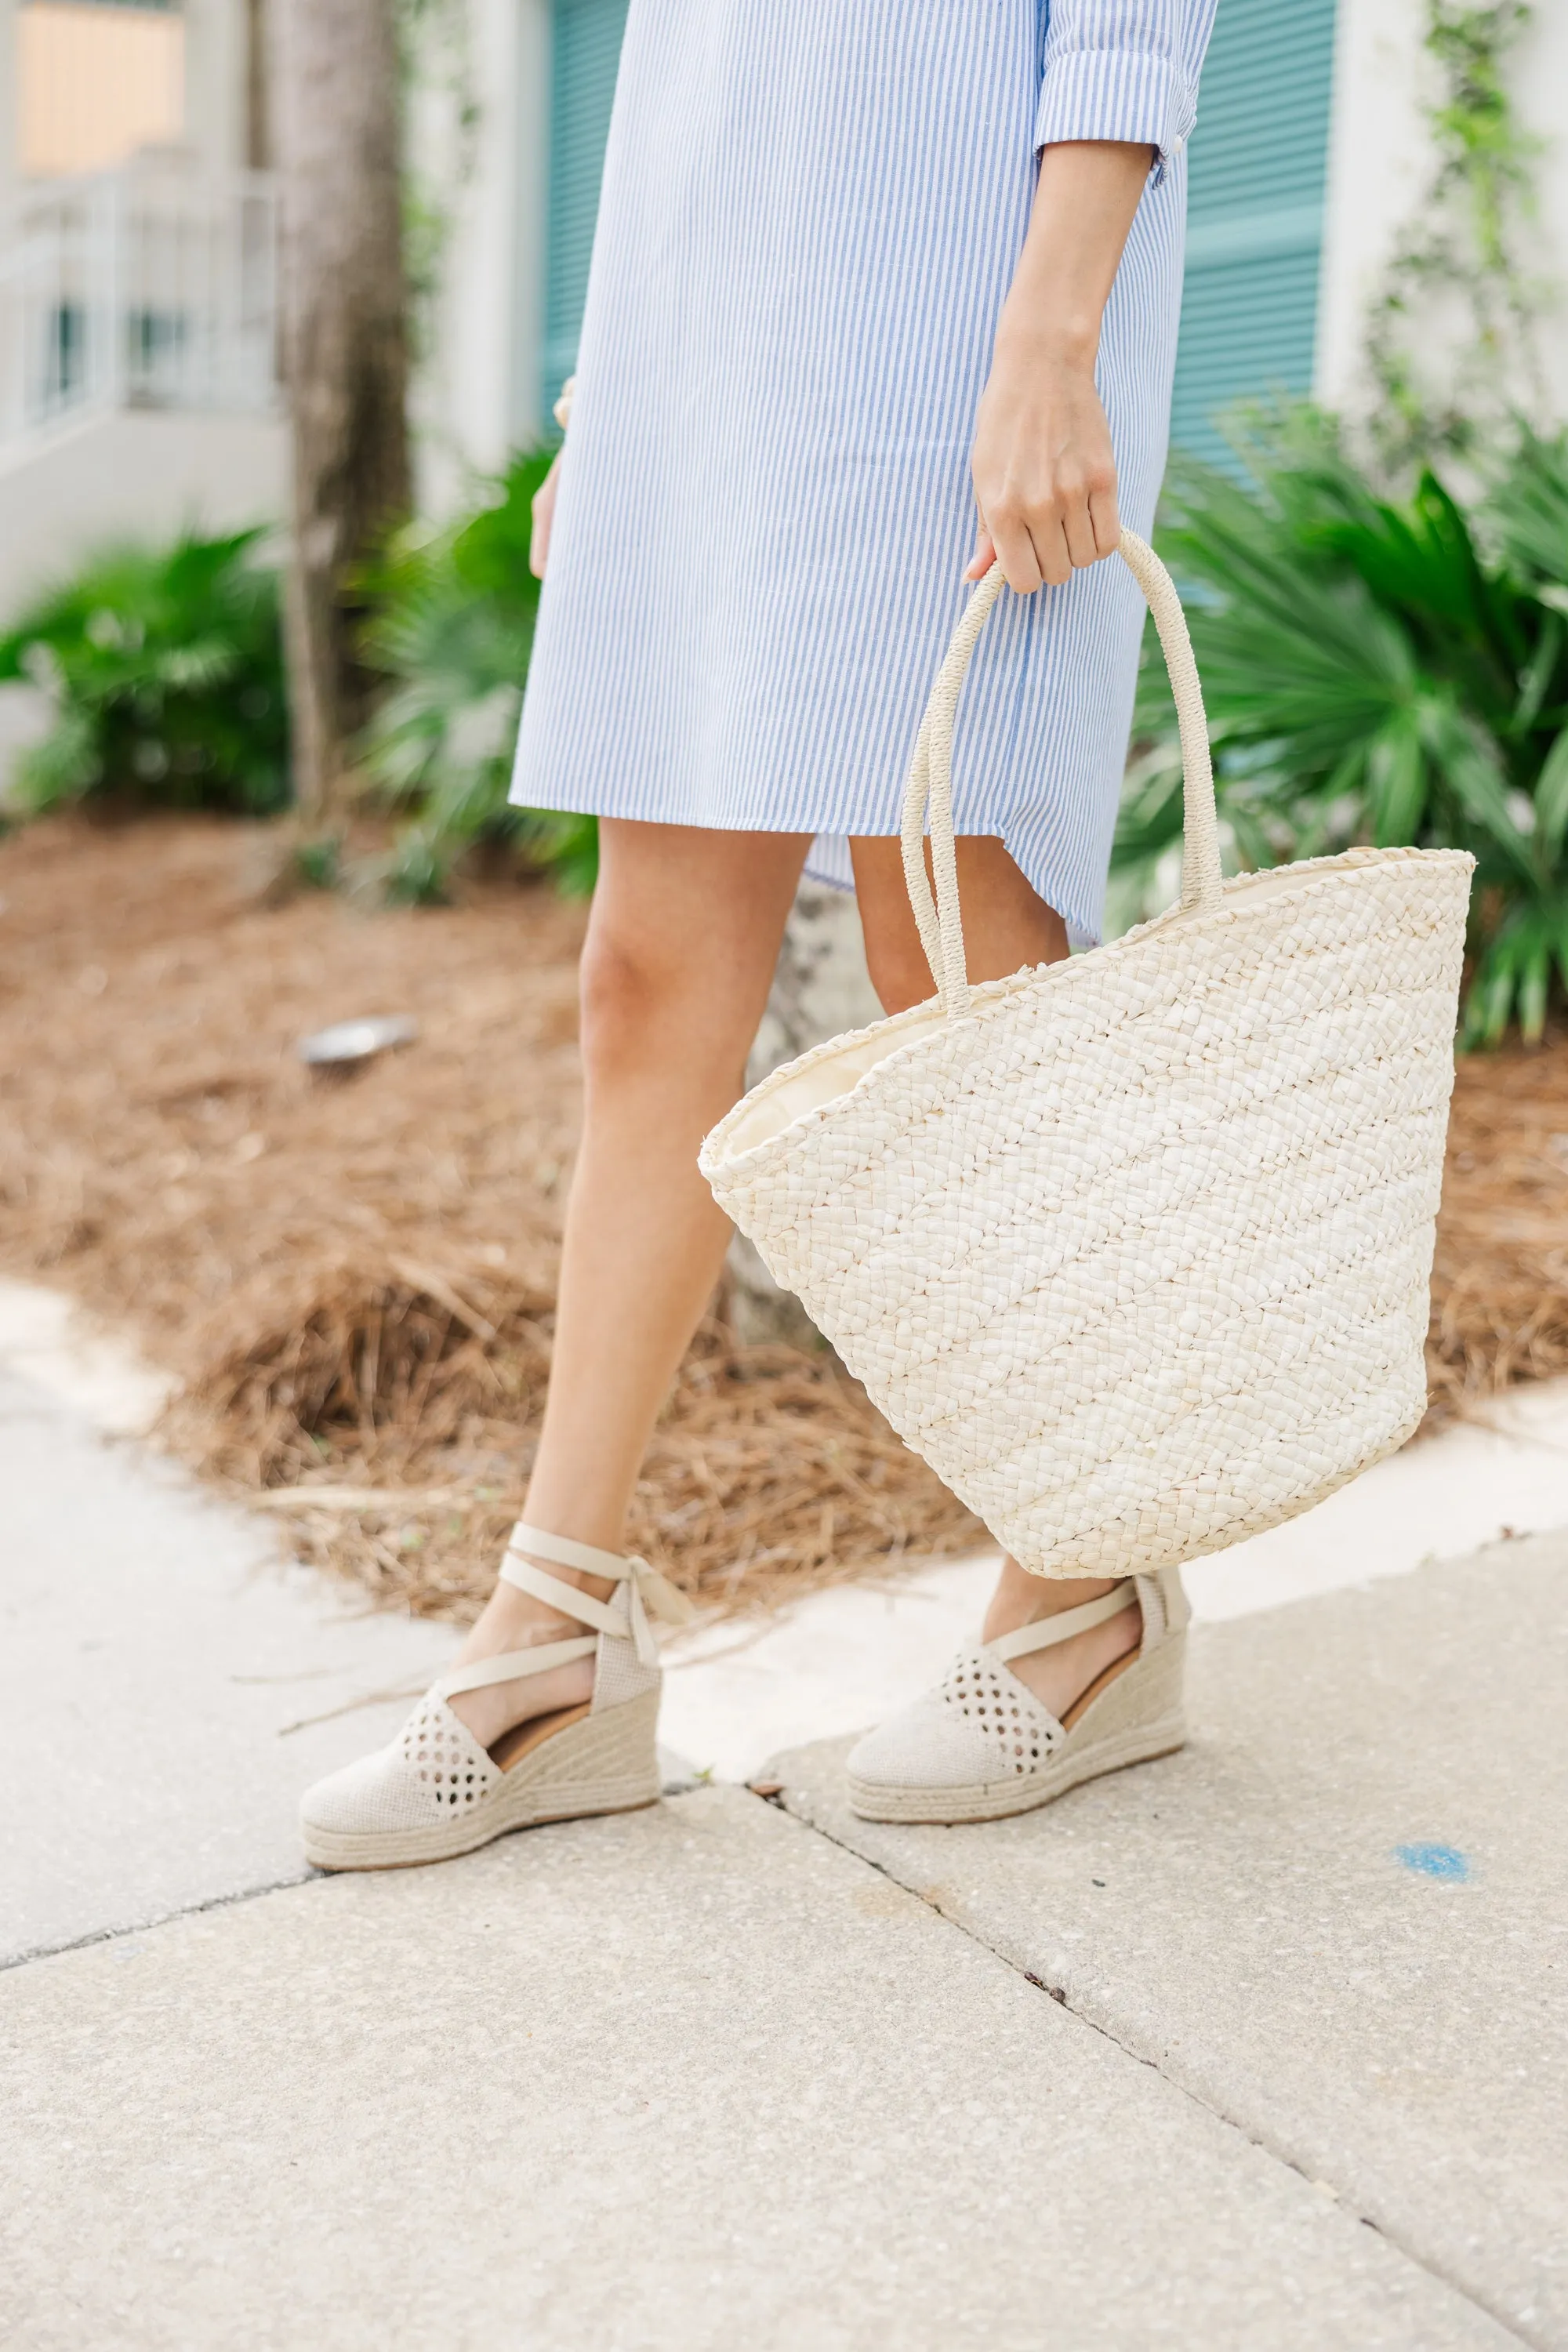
1006	926
681	946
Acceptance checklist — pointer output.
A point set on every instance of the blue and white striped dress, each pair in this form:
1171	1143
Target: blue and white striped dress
810	218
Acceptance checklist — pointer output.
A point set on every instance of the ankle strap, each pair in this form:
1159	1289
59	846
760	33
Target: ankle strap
516	1667
1064	1624
621	1620
566	1552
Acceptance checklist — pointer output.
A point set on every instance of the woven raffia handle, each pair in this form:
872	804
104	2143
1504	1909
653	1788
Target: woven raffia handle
930	773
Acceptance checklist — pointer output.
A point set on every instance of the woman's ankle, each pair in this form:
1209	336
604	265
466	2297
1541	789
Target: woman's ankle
1058	1675
600	1531
1020	1599
515	1620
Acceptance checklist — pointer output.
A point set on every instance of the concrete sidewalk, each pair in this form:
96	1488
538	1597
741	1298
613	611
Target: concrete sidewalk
1340	1917
169	1683
693	2079
1137	2071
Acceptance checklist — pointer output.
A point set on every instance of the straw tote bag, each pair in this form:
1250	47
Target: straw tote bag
1133	1248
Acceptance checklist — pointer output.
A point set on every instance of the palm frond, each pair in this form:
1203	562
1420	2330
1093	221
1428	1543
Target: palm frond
450	625
165	668
1376	671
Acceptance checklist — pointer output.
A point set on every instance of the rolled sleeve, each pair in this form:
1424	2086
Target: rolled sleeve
1115	69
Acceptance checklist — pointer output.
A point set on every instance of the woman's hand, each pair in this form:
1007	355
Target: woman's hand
543	519
1045	478
1045	475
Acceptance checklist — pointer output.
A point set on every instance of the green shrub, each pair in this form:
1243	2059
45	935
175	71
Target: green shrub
165	668
451	627
1376	671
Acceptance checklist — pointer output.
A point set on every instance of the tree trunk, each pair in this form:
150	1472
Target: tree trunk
257	86
335	135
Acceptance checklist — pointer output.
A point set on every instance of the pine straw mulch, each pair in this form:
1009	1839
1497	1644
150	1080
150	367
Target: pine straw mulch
1499	1278
353	1280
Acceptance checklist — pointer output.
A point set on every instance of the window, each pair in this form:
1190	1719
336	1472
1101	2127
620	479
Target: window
97	79
1255	219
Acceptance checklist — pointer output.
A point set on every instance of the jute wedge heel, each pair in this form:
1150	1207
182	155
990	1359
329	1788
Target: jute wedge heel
981	1745
434	1791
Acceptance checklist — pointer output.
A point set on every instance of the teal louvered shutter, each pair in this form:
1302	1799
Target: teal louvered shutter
1255	213
585	48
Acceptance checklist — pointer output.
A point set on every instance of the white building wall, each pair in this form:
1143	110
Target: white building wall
216	73
1542	87
477	397
131	474
134	474
1381	162
10	126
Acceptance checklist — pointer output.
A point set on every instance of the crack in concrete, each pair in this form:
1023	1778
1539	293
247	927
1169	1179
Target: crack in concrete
1384	2228
304	1876
119	1934
776	1802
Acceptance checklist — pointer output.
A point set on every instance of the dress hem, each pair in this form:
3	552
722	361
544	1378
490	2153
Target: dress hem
1083	930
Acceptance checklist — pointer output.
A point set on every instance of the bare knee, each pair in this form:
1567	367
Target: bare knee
648	998
624	989
682	945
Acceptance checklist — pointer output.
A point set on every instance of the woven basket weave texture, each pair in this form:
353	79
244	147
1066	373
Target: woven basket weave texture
1134	1249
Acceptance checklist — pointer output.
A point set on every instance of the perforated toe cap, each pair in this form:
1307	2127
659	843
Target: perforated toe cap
977	1726
433	1769
923	1747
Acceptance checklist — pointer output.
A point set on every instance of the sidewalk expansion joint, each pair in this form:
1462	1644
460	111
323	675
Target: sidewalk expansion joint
126	1929
1384	2227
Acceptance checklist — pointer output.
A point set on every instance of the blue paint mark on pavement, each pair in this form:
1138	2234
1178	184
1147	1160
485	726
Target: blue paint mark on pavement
1435	1861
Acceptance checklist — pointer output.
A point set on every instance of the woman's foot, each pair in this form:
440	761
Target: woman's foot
1049	1697
561	1724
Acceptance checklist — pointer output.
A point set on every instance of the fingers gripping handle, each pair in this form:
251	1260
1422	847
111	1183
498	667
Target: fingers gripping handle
930	773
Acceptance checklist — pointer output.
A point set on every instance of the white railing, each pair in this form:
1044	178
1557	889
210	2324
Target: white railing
152	287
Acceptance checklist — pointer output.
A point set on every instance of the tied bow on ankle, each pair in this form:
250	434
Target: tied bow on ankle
647	1595
651	1593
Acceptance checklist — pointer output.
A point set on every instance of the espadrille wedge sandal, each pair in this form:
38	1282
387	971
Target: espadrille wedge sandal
981	1745
434	1791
